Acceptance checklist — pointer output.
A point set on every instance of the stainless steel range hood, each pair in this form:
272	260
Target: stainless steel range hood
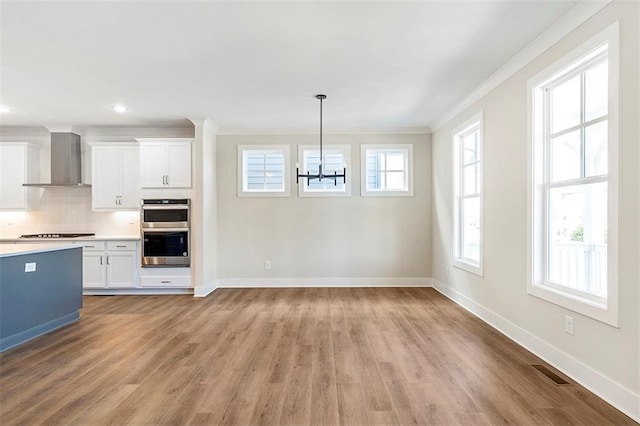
65	162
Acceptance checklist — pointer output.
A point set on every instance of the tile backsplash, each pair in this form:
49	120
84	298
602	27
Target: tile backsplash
68	210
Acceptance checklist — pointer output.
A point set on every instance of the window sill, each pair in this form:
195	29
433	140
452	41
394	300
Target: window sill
469	267
311	194
266	194
592	309
405	193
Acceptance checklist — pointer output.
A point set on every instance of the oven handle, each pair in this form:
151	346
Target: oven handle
165	207
164	225
165	230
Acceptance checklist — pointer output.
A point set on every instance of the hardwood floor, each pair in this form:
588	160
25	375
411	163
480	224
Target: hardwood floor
352	356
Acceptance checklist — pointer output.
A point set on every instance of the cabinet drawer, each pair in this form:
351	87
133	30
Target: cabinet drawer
91	245
167	281
121	245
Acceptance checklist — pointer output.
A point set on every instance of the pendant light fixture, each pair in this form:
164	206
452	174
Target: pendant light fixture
320	175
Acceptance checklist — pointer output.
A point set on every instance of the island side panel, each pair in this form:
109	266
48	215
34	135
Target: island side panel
34	303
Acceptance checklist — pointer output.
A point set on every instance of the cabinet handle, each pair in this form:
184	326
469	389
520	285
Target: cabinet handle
102	260
167	179
165	282
164	179
121	246
89	246
108	260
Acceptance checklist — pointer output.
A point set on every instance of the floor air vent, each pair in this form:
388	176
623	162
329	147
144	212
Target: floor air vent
550	374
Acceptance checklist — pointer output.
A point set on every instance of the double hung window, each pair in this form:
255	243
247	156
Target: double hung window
573	161
467	181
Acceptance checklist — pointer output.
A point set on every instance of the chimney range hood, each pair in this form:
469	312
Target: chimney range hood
65	162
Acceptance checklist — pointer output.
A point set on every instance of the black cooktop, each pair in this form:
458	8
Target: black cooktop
58	235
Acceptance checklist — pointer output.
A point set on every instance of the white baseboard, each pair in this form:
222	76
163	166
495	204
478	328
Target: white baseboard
322	282
621	397
135	291
202	291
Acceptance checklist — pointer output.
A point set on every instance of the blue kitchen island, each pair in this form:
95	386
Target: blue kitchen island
40	290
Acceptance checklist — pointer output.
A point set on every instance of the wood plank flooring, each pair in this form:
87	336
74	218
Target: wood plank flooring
352	356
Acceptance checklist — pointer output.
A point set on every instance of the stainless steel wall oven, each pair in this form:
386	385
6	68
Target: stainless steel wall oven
165	226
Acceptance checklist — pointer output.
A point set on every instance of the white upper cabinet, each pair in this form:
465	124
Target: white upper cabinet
153	170
165	163
115	172
18	165
130	174
179	165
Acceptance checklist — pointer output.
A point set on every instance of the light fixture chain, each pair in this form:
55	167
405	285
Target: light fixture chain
321	174
321	157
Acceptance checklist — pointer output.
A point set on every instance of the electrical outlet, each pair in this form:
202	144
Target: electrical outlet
30	267
568	324
267	264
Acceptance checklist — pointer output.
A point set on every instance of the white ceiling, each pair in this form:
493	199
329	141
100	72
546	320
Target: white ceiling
255	67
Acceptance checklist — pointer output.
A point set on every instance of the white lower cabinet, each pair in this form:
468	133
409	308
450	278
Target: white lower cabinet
93	270
110	264
166	277
121	269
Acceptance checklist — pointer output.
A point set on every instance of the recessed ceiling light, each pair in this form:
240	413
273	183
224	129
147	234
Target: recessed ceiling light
120	109
4	109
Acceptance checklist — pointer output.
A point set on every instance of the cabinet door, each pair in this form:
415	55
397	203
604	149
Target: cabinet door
12	176
153	165
179	173
105	177
93	270
129	177
122	269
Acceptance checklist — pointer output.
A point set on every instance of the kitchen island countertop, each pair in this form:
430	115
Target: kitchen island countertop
7	250
17	239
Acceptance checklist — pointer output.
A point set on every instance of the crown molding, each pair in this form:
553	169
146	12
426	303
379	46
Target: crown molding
207	123
63	128
283	131
556	32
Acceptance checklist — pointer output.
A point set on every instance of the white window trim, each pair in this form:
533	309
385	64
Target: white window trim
457	261
303	181
607	312
286	150
408	148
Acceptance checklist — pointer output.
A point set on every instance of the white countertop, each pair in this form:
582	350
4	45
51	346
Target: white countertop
7	250
16	239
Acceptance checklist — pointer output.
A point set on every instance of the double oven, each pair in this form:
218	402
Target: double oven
165	226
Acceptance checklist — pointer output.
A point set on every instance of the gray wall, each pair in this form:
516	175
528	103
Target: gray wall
348	237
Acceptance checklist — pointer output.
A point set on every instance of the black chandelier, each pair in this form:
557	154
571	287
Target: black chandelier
335	176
